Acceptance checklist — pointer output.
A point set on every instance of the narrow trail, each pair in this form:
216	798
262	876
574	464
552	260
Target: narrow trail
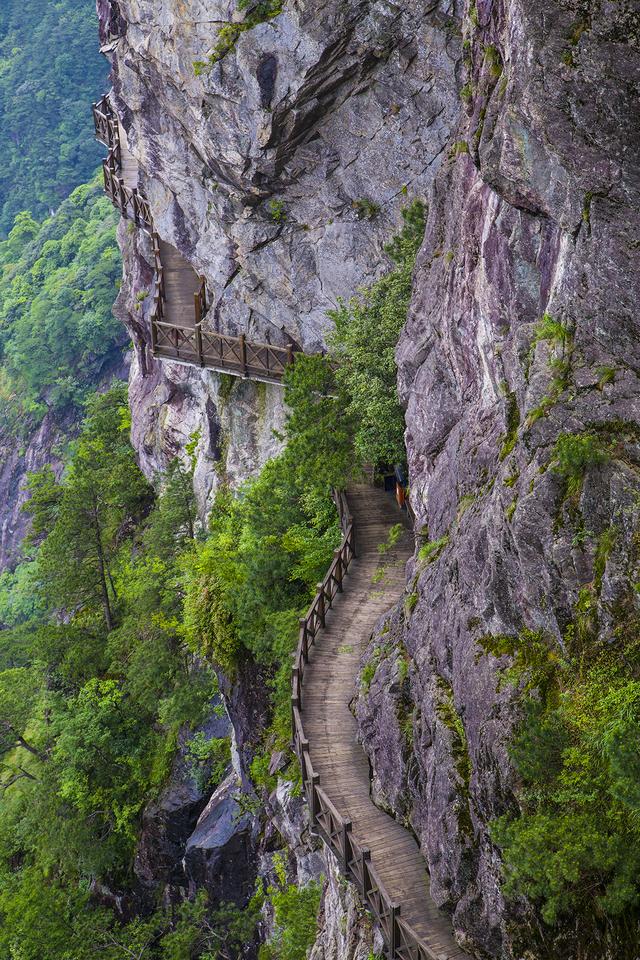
374	583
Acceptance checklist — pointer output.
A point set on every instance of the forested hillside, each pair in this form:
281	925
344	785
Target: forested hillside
58	281
59	261
50	71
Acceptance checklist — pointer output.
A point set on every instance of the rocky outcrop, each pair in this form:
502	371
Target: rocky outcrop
534	212
279	173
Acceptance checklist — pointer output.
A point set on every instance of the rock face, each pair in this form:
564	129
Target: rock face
280	172
534	212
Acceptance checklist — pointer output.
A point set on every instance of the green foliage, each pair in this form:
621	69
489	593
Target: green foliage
552	331
89	713
277	211
85	514
259	12
573	455
449	716
363	347
58	281
430	551
320	427
209	759
513	422
575	839
295	912
395	533
366	209
50	71
466	92
411	602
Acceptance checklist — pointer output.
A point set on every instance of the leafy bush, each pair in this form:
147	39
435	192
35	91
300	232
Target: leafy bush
363	346
295	912
575	839
574	454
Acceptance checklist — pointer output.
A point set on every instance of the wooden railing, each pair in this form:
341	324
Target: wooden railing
401	941
188	343
129	201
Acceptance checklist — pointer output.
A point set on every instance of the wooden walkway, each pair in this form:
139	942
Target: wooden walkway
373	584
180	302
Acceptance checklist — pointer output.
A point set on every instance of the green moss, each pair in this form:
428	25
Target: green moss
573	455
430	551
606	374
513	478
466	92
277	211
461	146
513	422
410	602
511	509
606	543
464	503
449	716
494	61
370	667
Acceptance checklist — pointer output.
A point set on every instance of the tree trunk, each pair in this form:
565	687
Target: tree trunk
104	590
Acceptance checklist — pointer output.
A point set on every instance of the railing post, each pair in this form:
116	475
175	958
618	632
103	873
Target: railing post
243	354
315	780
154	335
295	702
394	913
346	845
304	636
199	344
289	354
122	196
366	857
136	206
339	570
321	604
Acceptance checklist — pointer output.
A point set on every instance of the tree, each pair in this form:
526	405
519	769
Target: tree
364	343
88	512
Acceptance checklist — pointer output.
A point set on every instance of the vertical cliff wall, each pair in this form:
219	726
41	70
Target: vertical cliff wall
279	172
534	213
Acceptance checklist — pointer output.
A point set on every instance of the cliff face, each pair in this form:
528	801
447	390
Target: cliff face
535	212
280	173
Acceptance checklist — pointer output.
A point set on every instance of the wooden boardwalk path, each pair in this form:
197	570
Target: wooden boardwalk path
374	583
180	299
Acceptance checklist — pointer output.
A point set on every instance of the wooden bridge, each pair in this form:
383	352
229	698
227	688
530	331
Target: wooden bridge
180	297
379	855
373	849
